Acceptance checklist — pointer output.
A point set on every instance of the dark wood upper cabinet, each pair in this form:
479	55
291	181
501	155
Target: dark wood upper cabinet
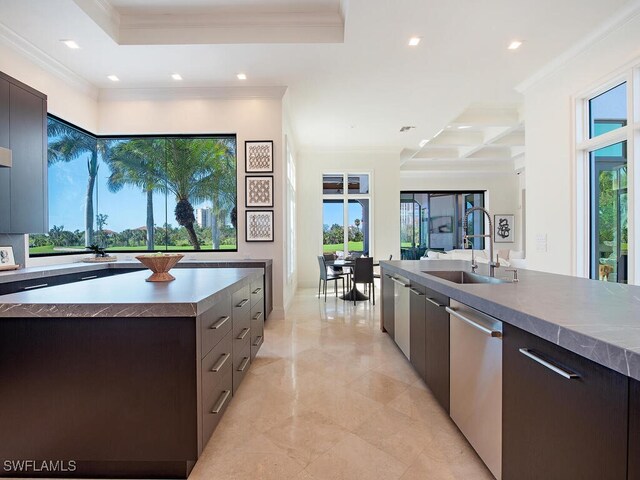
437	346
417	327
23	187
563	416
387	286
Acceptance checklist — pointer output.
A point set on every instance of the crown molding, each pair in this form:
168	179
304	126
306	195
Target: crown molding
181	93
613	23
32	53
147	26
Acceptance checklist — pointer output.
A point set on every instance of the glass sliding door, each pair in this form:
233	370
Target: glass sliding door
609	207
333	226
359	225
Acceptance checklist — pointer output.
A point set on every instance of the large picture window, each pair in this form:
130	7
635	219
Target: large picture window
138	193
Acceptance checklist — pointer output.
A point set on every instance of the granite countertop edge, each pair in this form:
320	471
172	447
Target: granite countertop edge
593	346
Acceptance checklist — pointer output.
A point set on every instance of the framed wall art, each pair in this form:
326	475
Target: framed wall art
258	156
504	228
259	225
259	191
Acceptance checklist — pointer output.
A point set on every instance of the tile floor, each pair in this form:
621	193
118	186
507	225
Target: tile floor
331	397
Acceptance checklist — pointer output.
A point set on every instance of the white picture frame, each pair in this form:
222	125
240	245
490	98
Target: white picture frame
6	257
504	228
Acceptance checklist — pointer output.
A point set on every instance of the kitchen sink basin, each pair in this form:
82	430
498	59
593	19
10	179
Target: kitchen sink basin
463	277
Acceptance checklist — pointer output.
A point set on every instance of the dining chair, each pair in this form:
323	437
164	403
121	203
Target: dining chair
363	273
377	274
326	277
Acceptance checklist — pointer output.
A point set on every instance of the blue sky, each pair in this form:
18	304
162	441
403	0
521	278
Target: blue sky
333	212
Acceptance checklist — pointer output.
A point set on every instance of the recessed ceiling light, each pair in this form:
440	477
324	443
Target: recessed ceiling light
462	127
516	44
423	142
176	76
242	76
414	41
71	44
113	78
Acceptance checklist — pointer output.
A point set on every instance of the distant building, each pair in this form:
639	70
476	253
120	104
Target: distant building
203	217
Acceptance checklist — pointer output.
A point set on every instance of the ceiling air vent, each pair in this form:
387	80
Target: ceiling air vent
406	128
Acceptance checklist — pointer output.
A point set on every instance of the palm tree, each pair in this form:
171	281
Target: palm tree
138	162
224	192
195	172
68	145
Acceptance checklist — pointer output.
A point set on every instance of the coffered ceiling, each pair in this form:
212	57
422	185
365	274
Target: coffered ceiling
352	78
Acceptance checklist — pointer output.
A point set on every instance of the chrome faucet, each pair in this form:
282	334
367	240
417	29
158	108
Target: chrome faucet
492	264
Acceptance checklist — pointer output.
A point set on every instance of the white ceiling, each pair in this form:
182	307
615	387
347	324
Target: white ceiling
351	94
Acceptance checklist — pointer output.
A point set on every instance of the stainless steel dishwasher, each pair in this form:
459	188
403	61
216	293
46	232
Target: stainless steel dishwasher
476	381
401	313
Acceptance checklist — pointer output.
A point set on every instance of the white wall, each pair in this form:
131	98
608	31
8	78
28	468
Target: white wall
502	192
385	167
288	137
549	164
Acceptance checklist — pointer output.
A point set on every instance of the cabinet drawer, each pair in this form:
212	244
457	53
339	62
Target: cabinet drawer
241	297
257	291
217	365
241	363
241	319
216	323
215	405
257	337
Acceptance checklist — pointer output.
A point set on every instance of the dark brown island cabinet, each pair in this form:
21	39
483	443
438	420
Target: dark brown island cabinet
124	397
564	417
23	130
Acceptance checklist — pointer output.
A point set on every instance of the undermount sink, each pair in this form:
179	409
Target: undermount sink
461	276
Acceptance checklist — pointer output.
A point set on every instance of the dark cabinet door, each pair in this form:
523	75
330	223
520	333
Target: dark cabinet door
29	170
5	179
634	430
387	286
557	425
437	346
417	328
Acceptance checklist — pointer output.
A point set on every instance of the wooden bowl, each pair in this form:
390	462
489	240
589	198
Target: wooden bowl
160	265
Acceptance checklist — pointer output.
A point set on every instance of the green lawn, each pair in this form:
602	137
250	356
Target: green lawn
50	249
353	247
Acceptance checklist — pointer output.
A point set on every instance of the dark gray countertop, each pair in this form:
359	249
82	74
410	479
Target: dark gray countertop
128	295
31	273
597	320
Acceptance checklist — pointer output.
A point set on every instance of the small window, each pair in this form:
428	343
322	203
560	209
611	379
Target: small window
358	184
608	111
333	184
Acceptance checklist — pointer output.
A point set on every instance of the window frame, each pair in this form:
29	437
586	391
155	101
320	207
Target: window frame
345	196
582	147
149	135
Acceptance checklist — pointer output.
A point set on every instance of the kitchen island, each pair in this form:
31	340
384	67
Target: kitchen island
541	376
118	377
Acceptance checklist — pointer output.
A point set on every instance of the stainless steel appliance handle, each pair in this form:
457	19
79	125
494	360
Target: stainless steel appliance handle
221	401
437	304
563	373
482	328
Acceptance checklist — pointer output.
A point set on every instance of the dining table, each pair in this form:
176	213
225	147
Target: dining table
353	294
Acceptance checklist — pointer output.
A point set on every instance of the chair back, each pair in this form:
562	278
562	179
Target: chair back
391	257
363	270
323	267
329	256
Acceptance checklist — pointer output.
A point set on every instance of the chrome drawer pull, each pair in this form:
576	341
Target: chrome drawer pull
482	328
437	304
257	315
243	334
388	276
407	285
242	303
220	322
258	341
220	363
257	291
36	286
89	278
243	365
568	375
416	292
221	401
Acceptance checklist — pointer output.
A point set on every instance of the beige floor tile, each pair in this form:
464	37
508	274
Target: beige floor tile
355	459
330	396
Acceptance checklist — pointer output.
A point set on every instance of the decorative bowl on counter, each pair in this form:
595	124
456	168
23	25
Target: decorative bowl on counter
160	264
